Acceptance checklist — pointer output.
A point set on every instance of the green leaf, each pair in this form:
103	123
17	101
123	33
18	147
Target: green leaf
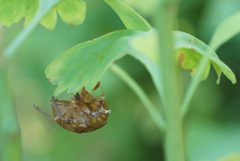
130	18
13	11
189	50
44	7
84	64
45	14
231	157
49	21
187	41
189	59
72	11
225	31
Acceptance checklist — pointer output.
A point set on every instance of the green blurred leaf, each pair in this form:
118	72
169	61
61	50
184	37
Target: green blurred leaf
187	41
130	18
72	11
189	59
146	8
49	21
46	15
13	11
44	7
189	51
232	157
225	31
84	64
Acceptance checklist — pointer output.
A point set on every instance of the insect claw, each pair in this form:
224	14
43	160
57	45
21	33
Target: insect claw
52	99
77	96
97	86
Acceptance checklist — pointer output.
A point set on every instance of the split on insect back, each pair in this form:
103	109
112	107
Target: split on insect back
83	113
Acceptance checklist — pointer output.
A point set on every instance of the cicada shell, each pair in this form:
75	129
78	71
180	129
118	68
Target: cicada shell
83	113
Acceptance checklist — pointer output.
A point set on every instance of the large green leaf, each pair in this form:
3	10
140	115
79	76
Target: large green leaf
130	18
71	11
84	64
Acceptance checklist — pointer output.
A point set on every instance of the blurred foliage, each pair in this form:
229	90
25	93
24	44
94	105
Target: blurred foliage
12	13
213	123
231	157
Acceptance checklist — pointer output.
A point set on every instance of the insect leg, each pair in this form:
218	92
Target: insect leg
44	113
56	100
55	106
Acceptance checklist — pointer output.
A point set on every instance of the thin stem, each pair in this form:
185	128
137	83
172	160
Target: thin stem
156	116
193	85
174	140
10	146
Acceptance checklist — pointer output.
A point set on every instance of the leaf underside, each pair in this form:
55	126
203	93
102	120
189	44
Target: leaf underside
84	64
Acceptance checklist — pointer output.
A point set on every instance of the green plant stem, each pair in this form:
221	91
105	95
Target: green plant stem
174	141
193	85
10	147
156	116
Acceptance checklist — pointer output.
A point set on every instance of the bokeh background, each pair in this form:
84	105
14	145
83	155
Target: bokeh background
212	125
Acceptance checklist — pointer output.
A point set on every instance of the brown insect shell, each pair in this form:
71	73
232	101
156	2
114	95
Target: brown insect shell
84	113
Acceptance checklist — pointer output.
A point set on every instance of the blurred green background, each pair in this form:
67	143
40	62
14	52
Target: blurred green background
212	125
